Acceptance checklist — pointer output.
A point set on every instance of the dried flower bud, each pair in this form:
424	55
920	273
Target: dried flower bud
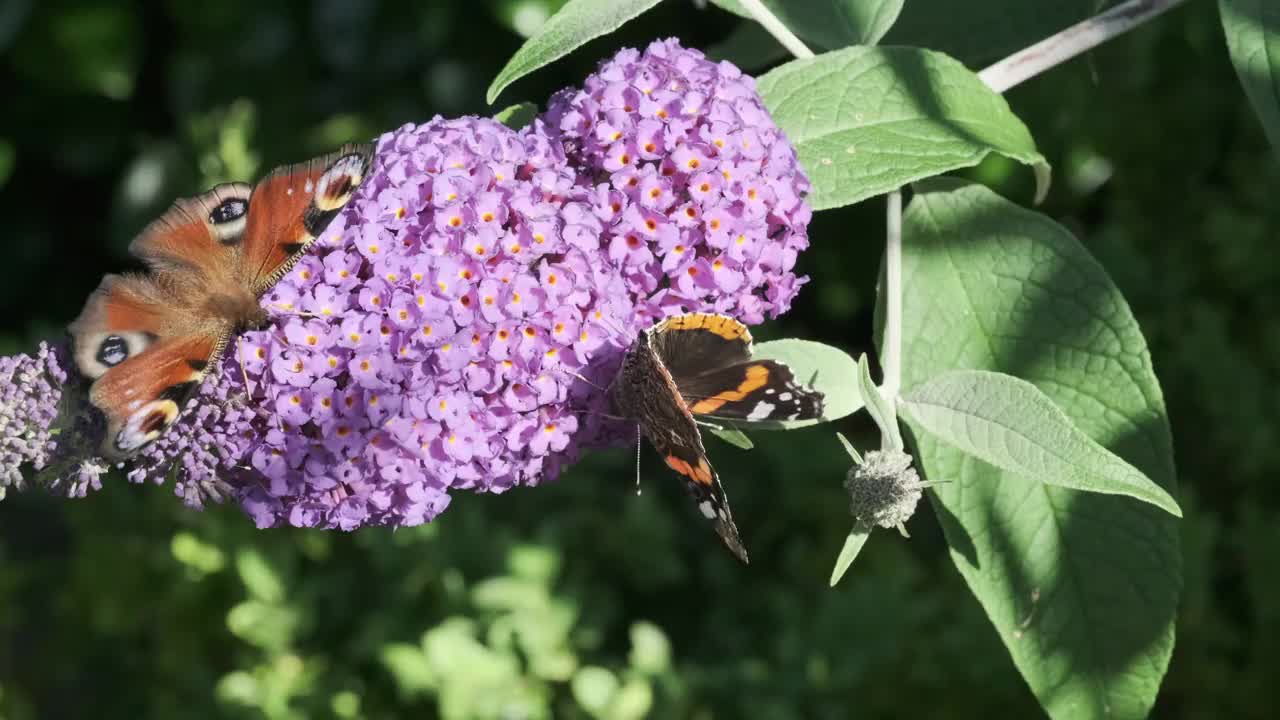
884	489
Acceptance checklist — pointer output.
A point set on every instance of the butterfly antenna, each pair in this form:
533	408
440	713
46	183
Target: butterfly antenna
638	435
288	310
583	379
606	416
619	332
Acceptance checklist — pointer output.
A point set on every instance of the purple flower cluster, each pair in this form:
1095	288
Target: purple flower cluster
453	326
30	388
38	432
708	200
429	341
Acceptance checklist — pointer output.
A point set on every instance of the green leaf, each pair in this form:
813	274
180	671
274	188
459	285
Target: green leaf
878	408
733	436
593	689
536	563
633	701
259	578
1082	588
1253	38
1009	423
828	370
201	557
573	26
852	546
517	116
830	24
409	666
849	448
979	33
869	120
650	649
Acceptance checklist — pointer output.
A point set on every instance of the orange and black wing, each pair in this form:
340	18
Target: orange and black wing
754	391
143	367
198	233
645	392
291	207
709	357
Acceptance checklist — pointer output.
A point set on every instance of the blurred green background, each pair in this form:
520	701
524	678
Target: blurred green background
582	599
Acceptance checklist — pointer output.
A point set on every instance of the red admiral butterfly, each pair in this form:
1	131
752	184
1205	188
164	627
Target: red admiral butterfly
700	366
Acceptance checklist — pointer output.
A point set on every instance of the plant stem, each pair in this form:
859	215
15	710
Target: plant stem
1057	49
781	32
891	346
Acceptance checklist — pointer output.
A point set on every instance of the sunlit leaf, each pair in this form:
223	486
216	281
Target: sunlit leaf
594	688
854	455
992	286
733	436
258	576
650	649
576	23
633	701
869	120
879	409
1010	424
852	546
517	116
409	666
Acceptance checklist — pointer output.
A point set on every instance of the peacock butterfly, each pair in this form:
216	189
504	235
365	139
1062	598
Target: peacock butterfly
146	340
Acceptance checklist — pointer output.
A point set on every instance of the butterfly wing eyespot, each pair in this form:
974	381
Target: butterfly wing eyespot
143	426
227	219
144	395
141	353
97	353
120	319
337	184
196	233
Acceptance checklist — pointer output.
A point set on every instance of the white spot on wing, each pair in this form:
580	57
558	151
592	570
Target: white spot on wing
761	411
707	510
785	397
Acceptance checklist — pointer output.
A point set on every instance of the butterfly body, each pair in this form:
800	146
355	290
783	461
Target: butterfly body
700	366
146	340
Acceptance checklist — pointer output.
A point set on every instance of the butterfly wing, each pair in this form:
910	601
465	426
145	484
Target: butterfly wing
697	343
143	395
197	234
144	357
753	391
646	392
709	357
291	207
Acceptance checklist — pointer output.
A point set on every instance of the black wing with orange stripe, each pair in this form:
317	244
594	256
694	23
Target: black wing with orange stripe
709	357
